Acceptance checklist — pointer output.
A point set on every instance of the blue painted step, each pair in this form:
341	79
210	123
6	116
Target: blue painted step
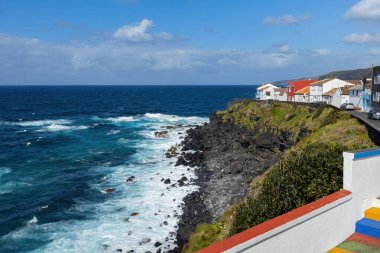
368	227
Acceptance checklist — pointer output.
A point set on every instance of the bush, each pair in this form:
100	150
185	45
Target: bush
303	176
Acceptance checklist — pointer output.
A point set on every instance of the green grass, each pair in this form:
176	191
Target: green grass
311	169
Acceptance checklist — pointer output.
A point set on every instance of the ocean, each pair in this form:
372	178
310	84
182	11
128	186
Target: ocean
67	152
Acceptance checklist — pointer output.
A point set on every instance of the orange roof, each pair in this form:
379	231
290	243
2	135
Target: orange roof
300	84
330	92
303	91
320	83
356	82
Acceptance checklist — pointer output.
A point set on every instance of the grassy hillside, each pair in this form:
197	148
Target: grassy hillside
311	169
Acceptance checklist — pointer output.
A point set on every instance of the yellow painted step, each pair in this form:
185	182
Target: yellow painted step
373	214
338	250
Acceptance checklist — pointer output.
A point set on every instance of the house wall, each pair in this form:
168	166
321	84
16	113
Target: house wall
336	99
356	98
316	93
344	99
302	98
329	221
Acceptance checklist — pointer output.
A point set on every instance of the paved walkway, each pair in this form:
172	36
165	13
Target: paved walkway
363	117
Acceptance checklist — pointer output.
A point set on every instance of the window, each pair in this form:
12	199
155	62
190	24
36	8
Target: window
319	88
313	88
267	93
376	97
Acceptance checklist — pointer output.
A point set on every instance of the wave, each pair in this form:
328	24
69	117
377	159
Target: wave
33	220
5	170
40	122
174	118
58	127
122	119
112	132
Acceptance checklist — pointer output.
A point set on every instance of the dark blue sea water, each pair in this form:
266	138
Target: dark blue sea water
61	148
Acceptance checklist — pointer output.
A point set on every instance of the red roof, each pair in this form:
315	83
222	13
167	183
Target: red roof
298	85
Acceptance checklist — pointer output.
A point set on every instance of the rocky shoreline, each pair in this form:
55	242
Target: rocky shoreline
227	157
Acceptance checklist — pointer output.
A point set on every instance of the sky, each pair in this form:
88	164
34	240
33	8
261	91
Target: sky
136	42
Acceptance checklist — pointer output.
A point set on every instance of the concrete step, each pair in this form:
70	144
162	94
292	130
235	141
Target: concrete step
373	214
368	227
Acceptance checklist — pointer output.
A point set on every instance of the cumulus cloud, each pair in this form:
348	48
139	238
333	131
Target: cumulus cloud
33	61
141	32
285	20
365	10
363	38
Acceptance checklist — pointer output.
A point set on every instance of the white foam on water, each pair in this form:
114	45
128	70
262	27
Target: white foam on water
40	122
33	221
58	127
122	119
113	227
112	132
173	118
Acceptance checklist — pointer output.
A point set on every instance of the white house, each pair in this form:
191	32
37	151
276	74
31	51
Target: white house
316	91
280	94
321	91
303	95
266	91
340	96
356	96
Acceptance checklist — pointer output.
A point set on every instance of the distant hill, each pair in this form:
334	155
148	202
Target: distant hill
356	74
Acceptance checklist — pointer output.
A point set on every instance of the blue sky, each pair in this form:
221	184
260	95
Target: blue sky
183	41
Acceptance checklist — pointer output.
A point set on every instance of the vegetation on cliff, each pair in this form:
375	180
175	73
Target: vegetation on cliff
309	170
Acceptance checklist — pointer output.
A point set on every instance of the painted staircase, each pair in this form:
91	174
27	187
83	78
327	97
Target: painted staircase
370	224
367	232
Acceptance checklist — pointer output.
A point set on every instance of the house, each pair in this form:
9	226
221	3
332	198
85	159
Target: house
375	88
356	95
303	95
280	94
321	91
367	94
295	86
316	90
340	96
266	91
328	96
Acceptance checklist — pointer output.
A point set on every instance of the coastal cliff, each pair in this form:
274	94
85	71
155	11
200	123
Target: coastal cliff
258	160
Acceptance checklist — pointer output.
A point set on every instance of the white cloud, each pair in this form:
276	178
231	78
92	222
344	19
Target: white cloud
33	61
141	32
285	20
365	10
363	38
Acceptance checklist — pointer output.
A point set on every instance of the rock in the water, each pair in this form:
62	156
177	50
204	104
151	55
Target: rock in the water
161	134
167	181
109	190
131	179
157	244
145	241
119	250
134	214
172	152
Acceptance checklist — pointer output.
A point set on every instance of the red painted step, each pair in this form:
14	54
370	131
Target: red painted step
364	239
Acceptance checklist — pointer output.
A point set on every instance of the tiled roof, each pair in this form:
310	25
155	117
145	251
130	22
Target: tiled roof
330	92
356	82
303	91
356	87
345	90
264	86
320	83
300	84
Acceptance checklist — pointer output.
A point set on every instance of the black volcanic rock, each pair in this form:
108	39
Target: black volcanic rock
227	157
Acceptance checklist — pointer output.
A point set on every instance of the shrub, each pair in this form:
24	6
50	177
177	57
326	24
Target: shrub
303	176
